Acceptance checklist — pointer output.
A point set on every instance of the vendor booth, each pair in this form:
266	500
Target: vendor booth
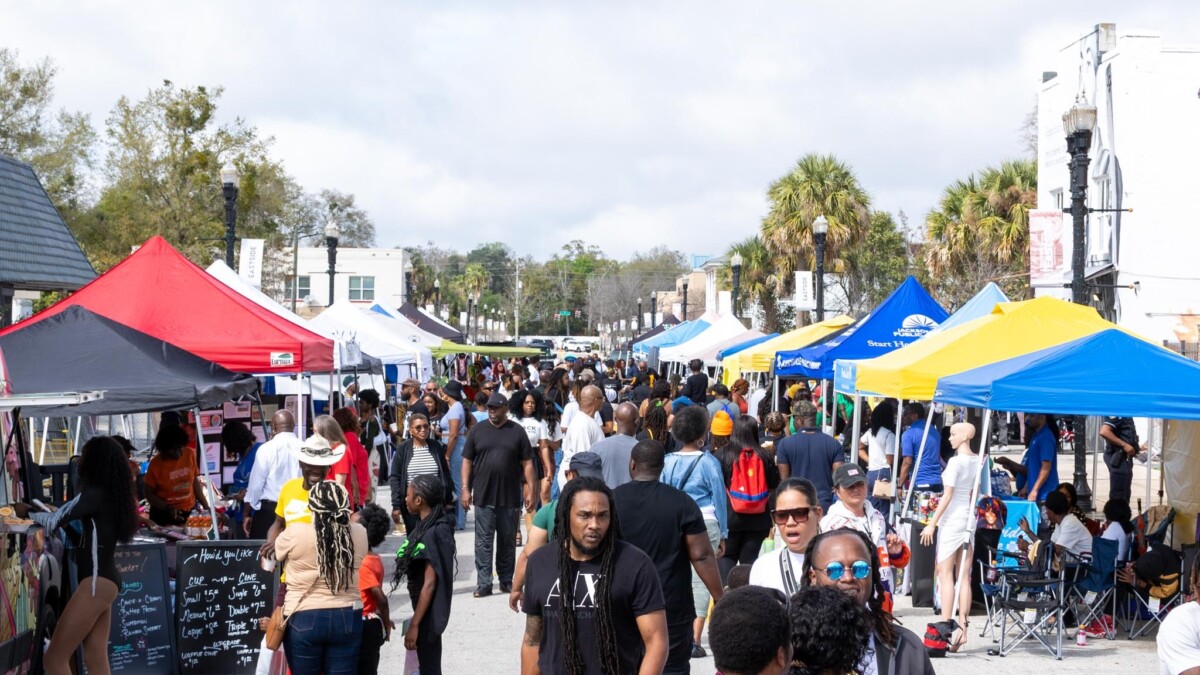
430	323
724	328
760	358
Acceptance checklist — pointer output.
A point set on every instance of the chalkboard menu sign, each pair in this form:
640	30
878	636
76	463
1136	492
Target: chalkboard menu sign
141	638
220	593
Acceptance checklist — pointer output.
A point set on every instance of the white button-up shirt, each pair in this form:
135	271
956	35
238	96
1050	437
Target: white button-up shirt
274	465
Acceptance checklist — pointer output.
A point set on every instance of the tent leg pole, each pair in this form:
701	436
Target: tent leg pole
78	433
856	432
45	439
1095	443
775	396
912	480
895	514
208	488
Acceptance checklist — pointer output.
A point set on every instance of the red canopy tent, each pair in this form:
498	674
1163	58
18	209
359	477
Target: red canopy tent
161	293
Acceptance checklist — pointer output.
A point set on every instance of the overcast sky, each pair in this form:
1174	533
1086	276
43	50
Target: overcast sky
625	124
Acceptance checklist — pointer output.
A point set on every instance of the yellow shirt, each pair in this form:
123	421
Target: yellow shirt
293	503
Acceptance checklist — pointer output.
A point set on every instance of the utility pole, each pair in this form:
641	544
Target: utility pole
517	302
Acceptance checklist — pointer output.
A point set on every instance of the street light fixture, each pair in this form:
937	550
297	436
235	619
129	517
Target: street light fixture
735	263
684	307
229	183
331	242
653	309
437	294
820	228
639	314
1078	124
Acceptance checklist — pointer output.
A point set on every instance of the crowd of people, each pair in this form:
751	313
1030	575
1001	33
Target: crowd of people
643	505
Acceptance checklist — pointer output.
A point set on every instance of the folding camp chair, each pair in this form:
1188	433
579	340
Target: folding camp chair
1036	609
993	580
1095	595
1153	525
1154	606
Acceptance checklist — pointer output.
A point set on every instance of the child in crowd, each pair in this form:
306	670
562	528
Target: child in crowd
426	559
377	620
739	575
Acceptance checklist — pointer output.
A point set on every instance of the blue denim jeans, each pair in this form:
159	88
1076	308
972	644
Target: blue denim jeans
456	462
323	641
554	478
495	531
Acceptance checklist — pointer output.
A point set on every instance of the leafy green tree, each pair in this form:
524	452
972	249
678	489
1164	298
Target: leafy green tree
59	144
874	267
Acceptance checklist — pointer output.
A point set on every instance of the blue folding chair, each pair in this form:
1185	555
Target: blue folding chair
1095	594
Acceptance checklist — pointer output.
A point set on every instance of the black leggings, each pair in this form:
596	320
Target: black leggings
741	548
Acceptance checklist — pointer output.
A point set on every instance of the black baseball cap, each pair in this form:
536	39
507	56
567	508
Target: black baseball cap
497	400
848	474
587	463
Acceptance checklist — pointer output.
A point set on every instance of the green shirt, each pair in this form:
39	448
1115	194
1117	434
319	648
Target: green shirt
544	518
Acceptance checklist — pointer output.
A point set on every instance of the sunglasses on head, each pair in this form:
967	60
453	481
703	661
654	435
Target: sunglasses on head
859	569
800	515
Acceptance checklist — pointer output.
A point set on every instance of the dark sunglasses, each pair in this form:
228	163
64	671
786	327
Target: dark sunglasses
419	427
859	569
799	514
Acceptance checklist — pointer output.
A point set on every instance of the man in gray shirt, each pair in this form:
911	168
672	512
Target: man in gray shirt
615	450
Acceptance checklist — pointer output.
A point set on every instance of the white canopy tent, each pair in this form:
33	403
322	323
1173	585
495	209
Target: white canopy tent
719	331
405	326
343	321
709	356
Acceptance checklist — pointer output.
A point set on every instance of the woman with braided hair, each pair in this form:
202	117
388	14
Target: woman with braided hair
847	560
426	559
655	426
594	603
321	559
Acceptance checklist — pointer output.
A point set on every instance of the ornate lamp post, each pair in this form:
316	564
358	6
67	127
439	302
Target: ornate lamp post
820	227
735	263
653	309
684	308
639	313
1078	124
229	182
331	243
437	295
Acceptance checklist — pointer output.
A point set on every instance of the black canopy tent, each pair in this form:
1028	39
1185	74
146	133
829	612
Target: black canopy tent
429	324
79	350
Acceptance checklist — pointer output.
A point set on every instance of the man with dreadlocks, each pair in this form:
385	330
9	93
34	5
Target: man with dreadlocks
426	559
322	605
594	603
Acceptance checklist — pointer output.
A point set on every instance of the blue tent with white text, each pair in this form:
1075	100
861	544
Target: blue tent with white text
905	316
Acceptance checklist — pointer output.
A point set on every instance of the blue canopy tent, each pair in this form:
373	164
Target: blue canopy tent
1106	373
673	336
905	316
730	351
981	305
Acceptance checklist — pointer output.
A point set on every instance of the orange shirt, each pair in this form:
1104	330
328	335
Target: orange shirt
174	480
370	575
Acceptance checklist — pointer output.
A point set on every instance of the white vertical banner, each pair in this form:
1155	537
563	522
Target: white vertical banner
462	319
806	297
250	264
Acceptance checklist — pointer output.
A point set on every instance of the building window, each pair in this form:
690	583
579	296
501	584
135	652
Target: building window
1057	196
362	289
305	288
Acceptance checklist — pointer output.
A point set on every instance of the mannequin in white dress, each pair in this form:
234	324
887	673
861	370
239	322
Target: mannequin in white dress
952	521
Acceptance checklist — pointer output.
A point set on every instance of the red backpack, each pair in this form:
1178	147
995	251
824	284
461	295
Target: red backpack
748	483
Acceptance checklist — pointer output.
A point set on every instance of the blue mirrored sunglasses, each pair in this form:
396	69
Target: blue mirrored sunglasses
860	569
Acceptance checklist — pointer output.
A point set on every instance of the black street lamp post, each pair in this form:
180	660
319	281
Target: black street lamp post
408	280
1078	123
684	308
639	314
470	307
820	228
437	295
229	182
331	243
735	264
653	309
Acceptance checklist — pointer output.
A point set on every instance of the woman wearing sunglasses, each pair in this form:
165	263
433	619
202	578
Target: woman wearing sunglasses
846	560
795	512
418	455
853	510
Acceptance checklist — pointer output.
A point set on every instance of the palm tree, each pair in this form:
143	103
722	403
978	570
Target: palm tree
476	278
817	185
979	231
759	282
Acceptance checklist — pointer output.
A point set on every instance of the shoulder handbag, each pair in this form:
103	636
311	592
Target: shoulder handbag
688	474
277	624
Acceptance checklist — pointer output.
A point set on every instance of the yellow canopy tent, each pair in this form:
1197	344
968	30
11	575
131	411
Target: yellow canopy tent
760	357
1012	329
447	347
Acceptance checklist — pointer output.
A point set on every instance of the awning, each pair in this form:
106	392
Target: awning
761	357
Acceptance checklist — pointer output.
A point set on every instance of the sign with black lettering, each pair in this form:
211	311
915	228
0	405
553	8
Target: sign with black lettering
142	637
220	594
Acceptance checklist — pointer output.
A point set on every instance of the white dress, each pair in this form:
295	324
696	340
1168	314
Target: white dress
954	527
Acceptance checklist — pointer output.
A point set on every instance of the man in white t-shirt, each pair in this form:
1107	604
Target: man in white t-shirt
1179	636
583	431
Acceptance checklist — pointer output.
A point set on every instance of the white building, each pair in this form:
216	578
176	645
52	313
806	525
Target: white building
1141	264
362	276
